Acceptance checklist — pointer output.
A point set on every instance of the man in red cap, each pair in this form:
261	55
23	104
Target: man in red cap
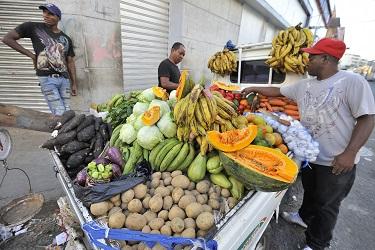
53	58
337	107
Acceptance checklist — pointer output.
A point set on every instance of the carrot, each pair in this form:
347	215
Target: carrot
268	106
276	102
291	112
263	99
261	96
262	104
295	117
291	107
277	108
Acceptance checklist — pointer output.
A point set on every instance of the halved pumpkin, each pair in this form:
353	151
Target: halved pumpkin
151	116
232	140
229	87
160	93
185	85
260	168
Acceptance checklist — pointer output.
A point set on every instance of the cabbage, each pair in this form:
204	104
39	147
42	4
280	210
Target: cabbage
138	124
167	126
128	133
164	107
147	95
139	108
172	95
131	119
149	136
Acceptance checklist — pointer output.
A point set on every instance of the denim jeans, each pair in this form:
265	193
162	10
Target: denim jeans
323	193
56	91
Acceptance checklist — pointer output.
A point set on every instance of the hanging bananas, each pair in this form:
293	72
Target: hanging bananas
223	62
286	55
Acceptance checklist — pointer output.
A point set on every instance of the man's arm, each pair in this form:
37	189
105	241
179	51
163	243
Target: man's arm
166	84
267	91
72	74
344	162
11	38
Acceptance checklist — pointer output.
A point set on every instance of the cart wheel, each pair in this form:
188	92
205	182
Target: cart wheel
262	243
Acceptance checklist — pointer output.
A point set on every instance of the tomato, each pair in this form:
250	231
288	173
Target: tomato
231	95
214	87
241	107
244	102
222	92
238	96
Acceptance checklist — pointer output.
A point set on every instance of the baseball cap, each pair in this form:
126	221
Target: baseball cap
329	46
51	8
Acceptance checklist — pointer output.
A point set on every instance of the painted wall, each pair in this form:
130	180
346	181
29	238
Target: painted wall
94	27
290	10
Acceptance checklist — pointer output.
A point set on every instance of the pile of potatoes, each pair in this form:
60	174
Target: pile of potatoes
169	204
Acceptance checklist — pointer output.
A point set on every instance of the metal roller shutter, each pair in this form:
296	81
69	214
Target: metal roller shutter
18	82
144	37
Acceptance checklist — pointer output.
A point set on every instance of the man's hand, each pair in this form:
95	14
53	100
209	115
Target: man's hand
343	163
74	89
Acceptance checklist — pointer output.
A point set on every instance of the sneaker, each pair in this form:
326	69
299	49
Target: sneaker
293	217
307	248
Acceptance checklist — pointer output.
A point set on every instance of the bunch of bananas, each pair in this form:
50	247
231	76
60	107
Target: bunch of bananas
223	62
286	55
201	111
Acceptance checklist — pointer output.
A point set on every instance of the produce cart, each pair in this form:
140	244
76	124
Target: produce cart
241	228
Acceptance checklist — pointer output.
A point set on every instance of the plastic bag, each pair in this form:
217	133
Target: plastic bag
105	191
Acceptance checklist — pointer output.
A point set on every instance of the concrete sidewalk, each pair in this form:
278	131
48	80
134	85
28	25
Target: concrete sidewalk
36	162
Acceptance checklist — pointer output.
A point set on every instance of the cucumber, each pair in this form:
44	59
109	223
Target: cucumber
179	158
170	156
145	154
163	152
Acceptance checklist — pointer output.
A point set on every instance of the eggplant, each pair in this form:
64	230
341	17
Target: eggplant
102	160
116	171
115	156
81	177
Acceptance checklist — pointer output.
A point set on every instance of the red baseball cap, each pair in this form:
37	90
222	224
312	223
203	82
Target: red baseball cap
329	46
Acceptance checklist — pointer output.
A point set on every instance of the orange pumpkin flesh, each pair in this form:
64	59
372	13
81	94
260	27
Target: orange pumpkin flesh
232	140
151	116
160	93
229	87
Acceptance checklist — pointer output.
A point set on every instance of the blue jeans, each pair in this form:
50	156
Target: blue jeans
56	91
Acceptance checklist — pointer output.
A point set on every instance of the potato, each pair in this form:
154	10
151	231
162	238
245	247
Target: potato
214	196
127	196
142	246
155	231
167	203
167	181
201	233
194	192
146	229
211	190
176	212
151	191
206	208
117	203
163	191
158	247
165	175
124	206
161	183
205	221
148	184
126	248
140	191
180	181
191	186
156	203
188	192
110	205
166	230
126	212
149	215
156	223
187	248
214	203
168	223
114	210
188	233
202	198
156	175
193	210
170	187
232	202
155	183
135	206
203	186
225	193
115	198
189	223
177	193
146	200
177	225
135	221
100	208
186	200
163	214
217	189
176	173
116	220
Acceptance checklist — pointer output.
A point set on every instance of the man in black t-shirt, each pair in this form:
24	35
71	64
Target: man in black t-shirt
168	72
53	58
